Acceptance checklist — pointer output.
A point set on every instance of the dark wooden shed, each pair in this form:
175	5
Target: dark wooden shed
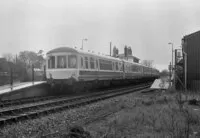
191	46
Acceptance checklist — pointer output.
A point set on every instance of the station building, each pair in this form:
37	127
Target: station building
129	58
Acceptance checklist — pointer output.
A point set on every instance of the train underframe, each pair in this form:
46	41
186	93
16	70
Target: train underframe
71	86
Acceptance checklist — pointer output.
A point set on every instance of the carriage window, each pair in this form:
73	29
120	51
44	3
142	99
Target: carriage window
126	67
82	65
86	62
51	62
120	66
92	63
113	65
97	65
133	68
105	65
117	68
139	69
72	61
61	62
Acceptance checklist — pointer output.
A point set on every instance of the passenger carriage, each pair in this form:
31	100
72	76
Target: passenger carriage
71	66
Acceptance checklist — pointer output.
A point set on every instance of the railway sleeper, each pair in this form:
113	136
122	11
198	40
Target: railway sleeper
52	109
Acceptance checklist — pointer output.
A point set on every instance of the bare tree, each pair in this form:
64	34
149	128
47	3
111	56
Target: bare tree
29	57
9	57
164	72
148	63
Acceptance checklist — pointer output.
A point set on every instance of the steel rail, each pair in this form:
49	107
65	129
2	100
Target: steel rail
7	103
27	112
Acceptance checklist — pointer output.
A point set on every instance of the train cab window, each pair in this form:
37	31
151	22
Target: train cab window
72	61
51	62
82	65
61	62
86	62
92	63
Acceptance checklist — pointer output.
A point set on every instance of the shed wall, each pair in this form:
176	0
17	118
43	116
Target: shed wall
192	48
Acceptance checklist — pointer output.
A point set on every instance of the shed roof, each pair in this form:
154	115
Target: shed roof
191	35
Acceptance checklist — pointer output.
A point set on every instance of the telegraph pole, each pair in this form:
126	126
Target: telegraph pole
172	56
175	63
185	70
32	73
85	39
110	48
170	74
11	77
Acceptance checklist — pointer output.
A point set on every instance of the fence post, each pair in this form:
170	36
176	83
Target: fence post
175	68
11	78
44	72
32	73
170	74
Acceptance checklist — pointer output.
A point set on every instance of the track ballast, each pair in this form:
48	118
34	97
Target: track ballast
16	113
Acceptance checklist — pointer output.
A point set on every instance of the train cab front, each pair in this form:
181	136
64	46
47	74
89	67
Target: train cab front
62	67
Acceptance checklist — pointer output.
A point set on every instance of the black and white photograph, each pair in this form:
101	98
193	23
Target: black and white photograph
99	69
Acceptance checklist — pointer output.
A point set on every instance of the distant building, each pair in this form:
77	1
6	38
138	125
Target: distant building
2	60
129	58
3	65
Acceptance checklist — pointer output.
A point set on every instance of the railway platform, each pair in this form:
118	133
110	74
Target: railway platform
161	83
22	90
18	86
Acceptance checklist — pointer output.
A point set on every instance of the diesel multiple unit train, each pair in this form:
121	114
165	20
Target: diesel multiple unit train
79	70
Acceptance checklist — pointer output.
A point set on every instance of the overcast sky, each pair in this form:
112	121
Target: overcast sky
145	25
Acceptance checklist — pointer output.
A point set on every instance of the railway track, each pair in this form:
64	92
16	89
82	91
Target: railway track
7	103
16	113
32	100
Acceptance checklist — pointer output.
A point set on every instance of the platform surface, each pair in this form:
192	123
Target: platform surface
160	84
18	86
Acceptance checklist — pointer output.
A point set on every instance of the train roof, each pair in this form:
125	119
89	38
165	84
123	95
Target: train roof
62	49
73	50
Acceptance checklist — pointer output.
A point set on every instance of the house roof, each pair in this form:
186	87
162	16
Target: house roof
122	55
